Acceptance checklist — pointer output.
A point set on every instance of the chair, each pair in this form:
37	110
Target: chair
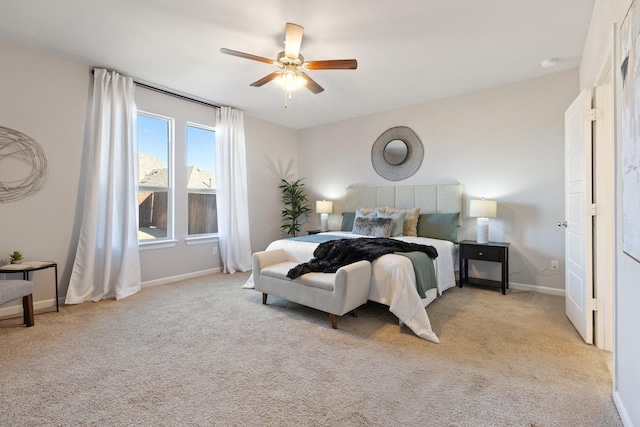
13	289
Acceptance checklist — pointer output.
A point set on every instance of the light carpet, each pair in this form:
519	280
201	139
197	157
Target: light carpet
206	352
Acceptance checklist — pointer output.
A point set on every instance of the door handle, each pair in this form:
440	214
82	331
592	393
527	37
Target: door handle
562	224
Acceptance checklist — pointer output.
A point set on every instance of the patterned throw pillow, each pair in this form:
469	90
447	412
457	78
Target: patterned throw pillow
410	221
373	227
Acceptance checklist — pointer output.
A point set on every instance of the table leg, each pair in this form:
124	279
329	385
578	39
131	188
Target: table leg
505	275
57	298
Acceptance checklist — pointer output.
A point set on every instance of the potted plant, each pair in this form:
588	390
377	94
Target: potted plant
296	206
16	257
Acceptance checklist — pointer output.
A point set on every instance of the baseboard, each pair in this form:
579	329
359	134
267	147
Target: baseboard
534	288
37	305
622	410
173	279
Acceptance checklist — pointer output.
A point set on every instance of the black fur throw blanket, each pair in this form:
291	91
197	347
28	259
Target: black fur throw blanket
330	256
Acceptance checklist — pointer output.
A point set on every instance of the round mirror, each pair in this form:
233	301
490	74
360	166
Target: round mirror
395	152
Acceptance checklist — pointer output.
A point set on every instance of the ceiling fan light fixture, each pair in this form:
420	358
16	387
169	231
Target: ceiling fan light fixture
290	80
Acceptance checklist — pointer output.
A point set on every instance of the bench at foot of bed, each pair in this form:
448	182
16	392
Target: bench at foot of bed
334	293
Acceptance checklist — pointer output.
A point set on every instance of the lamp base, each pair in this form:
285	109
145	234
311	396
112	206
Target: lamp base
324	218
482	230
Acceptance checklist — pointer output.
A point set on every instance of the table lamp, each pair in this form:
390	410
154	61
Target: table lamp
324	208
483	210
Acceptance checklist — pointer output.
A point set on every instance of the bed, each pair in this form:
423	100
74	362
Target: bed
437	211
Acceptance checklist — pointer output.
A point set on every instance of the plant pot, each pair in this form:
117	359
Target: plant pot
16	261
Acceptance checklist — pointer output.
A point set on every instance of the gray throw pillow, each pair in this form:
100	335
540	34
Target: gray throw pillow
373	227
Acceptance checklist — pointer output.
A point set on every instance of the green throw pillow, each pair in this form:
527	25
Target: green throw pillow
439	226
347	221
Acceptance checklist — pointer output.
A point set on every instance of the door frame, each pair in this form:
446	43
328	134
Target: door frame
603	134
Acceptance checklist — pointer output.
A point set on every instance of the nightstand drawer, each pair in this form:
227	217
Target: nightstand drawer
486	253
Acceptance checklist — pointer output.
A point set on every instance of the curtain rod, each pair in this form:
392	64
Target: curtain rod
167	92
177	95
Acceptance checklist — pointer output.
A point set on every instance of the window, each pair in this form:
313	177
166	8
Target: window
155	177
201	180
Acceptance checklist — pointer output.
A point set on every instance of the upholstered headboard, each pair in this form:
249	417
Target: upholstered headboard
445	198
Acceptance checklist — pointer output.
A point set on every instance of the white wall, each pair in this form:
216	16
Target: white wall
505	143
45	98
271	155
627	289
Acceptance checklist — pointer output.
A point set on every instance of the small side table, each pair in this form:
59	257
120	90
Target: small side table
492	251
310	232
28	266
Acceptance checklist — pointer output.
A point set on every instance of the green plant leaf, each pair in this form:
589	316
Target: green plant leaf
296	208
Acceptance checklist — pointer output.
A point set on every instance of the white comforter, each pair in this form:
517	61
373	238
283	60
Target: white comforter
393	282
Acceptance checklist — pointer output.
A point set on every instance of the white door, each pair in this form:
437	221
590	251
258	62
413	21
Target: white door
578	211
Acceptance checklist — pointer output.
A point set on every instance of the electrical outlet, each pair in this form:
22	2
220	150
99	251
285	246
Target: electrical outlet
554	264
215	250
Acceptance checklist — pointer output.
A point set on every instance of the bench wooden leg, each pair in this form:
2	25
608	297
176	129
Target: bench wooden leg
27	306
264	298
334	320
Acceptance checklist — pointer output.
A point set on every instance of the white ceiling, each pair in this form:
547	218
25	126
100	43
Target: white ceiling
408	51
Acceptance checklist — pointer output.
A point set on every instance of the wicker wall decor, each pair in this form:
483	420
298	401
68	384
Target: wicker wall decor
16	146
412	160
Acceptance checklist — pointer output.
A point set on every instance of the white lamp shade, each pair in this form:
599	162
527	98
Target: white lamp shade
324	206
483	208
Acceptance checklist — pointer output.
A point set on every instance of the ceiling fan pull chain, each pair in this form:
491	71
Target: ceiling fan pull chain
285	100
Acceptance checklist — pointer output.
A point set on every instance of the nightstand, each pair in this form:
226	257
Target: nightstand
314	232
493	252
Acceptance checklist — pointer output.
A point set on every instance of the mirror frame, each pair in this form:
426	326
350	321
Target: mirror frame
410	165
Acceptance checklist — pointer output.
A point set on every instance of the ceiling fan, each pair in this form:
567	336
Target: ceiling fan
291	64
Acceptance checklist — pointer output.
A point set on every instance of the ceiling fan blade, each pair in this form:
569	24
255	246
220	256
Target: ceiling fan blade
311	84
332	64
292	40
265	79
246	55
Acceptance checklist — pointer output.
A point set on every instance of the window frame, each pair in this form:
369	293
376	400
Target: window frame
202	236
169	240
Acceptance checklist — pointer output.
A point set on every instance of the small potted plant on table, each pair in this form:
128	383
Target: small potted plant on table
16	257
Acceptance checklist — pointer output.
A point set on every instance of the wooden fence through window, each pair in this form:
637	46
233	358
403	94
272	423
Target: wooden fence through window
203	217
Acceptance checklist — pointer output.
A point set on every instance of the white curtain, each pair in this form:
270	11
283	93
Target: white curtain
233	207
107	263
